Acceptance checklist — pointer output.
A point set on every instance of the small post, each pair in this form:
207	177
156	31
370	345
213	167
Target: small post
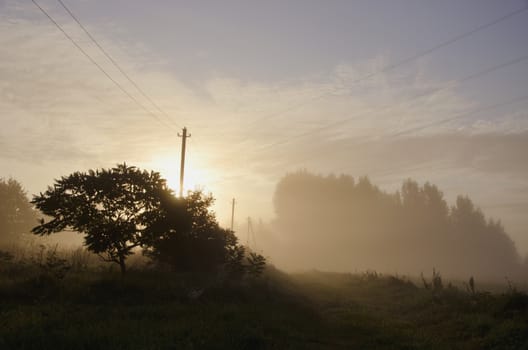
248	230
232	214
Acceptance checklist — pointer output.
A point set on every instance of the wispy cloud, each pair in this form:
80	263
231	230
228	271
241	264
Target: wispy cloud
59	112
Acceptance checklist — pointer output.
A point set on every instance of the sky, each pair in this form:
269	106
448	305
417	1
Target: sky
395	89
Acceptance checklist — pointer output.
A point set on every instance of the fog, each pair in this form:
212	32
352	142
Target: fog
339	223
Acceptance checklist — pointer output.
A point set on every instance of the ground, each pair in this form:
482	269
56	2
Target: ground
95	308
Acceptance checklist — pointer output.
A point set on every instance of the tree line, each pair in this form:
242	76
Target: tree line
338	223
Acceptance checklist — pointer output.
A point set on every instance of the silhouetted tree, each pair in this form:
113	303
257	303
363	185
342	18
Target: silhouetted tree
114	208
256	264
197	243
123	208
17	216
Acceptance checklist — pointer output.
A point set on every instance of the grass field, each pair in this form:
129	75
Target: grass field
43	306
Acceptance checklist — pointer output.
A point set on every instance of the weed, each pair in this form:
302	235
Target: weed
50	264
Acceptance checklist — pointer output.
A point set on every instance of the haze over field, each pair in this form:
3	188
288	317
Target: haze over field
429	90
338	223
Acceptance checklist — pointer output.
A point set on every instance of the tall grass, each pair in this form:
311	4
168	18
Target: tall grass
63	299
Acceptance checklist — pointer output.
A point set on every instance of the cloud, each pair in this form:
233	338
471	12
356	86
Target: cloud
58	111
50	88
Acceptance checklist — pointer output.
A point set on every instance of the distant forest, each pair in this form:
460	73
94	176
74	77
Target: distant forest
336	223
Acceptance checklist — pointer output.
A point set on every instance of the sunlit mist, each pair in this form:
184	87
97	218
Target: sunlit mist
196	177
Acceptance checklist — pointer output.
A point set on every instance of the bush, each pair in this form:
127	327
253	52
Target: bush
50	264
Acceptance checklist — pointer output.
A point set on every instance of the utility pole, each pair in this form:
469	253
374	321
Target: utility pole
251	235
184	137
248	231
232	213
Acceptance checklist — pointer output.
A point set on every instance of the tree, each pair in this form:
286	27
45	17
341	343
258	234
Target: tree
17	216
197	243
114	208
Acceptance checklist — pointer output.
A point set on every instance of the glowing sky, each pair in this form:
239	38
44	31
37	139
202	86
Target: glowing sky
256	83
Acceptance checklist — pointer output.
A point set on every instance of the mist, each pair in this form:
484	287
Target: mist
339	223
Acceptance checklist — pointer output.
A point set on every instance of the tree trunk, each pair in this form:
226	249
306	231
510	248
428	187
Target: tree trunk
122	265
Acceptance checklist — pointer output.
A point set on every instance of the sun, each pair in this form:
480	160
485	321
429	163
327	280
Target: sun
196	176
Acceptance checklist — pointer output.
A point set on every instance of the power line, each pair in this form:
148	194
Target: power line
439	122
403	61
99	66
347	120
460	116
458	82
418	128
116	65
